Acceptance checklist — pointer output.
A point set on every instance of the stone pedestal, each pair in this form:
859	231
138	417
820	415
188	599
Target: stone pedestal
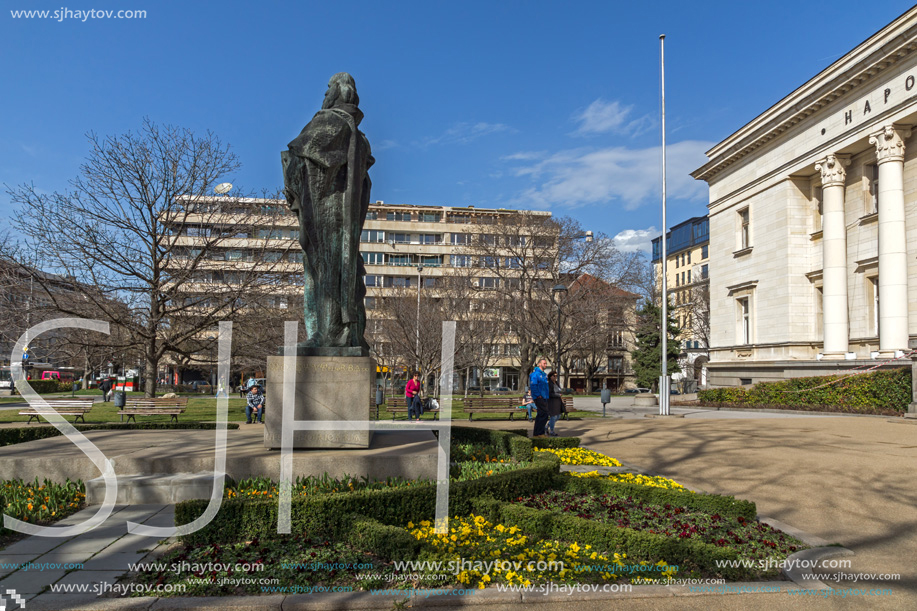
325	388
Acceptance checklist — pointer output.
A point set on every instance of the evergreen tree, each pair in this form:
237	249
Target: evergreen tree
647	355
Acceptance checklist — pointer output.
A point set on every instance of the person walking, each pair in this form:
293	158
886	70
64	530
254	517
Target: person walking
254	405
538	385
412	397
105	387
555	402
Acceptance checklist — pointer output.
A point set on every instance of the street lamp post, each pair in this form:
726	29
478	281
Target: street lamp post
556	292
417	326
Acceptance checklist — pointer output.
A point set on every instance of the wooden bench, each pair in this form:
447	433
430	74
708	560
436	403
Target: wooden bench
78	408
505	405
496	404
399	405
153	407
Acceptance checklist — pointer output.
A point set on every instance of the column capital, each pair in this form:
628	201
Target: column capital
832	170
889	142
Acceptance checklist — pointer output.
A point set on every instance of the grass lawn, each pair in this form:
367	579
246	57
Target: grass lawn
203	409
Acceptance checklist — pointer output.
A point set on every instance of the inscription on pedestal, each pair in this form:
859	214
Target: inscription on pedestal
325	388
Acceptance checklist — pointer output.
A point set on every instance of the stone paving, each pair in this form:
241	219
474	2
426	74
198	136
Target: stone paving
103	553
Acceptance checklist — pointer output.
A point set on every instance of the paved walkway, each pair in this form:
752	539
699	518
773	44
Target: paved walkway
103	553
845	479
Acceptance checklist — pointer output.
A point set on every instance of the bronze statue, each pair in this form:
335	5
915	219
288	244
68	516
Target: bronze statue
327	185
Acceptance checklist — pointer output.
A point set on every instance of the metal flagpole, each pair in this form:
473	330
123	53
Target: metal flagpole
664	327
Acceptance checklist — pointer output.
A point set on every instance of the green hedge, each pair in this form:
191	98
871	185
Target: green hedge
864	393
516	445
688	554
12	436
556	443
327	514
707	503
386	542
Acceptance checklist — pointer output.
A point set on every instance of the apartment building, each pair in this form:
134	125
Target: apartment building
403	247
688	290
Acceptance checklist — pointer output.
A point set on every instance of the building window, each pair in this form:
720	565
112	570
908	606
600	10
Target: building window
398	216
400	260
818	210
688	276
872	202
744	316
397	282
372	215
430	217
703	271
372	280
431	260
372	235
872	294
460	239
704	252
369	303
431	238
744	231
819	312
489	261
400	238
616	364
676	281
373	258
689	256
460	260
459	218
488	283
677	259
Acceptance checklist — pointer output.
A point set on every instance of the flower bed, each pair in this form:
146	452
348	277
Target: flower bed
654	481
581	456
495	553
511	505
39	503
752	540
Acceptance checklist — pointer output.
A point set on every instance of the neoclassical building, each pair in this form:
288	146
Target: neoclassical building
813	221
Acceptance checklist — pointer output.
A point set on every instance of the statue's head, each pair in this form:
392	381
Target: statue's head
341	90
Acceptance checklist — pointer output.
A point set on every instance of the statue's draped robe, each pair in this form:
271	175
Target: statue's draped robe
327	186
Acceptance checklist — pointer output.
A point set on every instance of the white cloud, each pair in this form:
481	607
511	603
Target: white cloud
463	133
602	117
630	177
633	240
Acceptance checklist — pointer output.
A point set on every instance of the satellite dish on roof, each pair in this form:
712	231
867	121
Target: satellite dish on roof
223	187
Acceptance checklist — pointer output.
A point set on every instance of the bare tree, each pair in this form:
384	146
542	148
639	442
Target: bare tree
522	257
137	231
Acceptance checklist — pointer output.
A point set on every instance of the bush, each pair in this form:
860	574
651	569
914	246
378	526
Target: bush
556	443
386	542
708	503
325	515
517	446
44	387
864	393
12	436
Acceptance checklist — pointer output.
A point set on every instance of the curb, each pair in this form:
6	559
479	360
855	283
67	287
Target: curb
812	556
765	410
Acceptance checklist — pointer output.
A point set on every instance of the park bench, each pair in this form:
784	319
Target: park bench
399	405
153	407
499	404
504	405
78	408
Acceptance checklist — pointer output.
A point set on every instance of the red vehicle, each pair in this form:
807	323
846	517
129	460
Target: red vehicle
60	376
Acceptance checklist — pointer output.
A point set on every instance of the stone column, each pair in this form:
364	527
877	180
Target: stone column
834	256
893	333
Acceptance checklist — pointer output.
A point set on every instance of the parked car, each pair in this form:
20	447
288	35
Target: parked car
499	390
636	391
476	389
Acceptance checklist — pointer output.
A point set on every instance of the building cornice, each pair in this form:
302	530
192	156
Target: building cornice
876	55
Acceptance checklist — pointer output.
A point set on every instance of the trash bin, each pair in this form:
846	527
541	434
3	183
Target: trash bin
120	398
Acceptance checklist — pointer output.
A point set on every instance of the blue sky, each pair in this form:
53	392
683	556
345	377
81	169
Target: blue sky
517	104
